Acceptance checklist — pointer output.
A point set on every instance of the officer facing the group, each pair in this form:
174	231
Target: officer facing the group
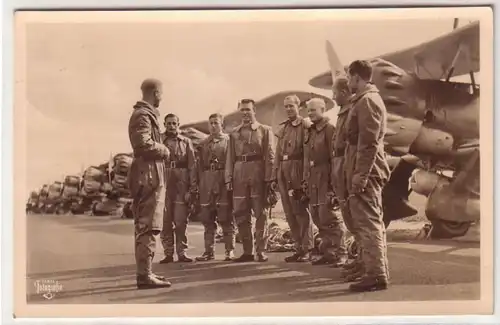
181	180
249	166
288	171
342	96
214	196
317	184
367	172
147	181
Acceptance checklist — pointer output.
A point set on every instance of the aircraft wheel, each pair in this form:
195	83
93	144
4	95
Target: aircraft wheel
443	229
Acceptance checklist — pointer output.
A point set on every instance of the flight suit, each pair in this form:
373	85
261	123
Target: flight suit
214	197
146	181
317	174
288	171
338	173
181	179
365	162
249	166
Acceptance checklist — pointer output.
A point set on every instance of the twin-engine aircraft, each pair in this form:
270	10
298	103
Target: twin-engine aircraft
433	126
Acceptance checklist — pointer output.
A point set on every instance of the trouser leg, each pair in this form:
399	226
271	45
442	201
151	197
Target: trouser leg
145	244
366	210
226	221
261	224
181	222
333	229
291	218
210	228
167	234
243	217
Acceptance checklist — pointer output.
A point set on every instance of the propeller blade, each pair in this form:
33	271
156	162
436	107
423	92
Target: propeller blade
336	67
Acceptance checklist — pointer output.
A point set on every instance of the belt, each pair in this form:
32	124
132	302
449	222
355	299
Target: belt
214	166
314	163
339	152
292	157
177	165
248	158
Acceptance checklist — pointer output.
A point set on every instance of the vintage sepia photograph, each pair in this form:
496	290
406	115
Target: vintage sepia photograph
246	162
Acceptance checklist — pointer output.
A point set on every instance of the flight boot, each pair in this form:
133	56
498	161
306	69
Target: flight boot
159	277
299	257
206	256
293	258
167	259
339	261
261	257
324	260
151	282
229	256
244	258
370	284
184	258
305	257
350	264
353	274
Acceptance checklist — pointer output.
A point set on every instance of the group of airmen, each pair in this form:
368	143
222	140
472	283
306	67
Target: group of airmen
327	175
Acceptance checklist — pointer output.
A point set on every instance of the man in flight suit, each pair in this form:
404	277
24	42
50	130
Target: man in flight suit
249	164
288	171
147	181
214	197
182	182
317	184
342	96
367	172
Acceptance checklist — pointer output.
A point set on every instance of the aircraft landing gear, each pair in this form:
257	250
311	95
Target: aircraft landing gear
444	229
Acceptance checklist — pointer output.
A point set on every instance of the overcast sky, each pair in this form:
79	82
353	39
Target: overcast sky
82	79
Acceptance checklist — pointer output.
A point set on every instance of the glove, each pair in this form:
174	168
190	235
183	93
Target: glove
332	201
164	152
271	198
304	186
304	197
359	183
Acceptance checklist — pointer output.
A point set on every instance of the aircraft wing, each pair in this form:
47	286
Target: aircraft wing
195	135
270	111
433	59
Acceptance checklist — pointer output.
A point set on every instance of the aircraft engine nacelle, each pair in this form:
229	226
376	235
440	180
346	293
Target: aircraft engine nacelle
423	182
432	141
458	207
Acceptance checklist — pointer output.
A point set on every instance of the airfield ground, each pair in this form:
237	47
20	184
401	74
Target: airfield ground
92	259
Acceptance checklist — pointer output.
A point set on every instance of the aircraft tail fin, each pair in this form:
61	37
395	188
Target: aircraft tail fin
336	67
